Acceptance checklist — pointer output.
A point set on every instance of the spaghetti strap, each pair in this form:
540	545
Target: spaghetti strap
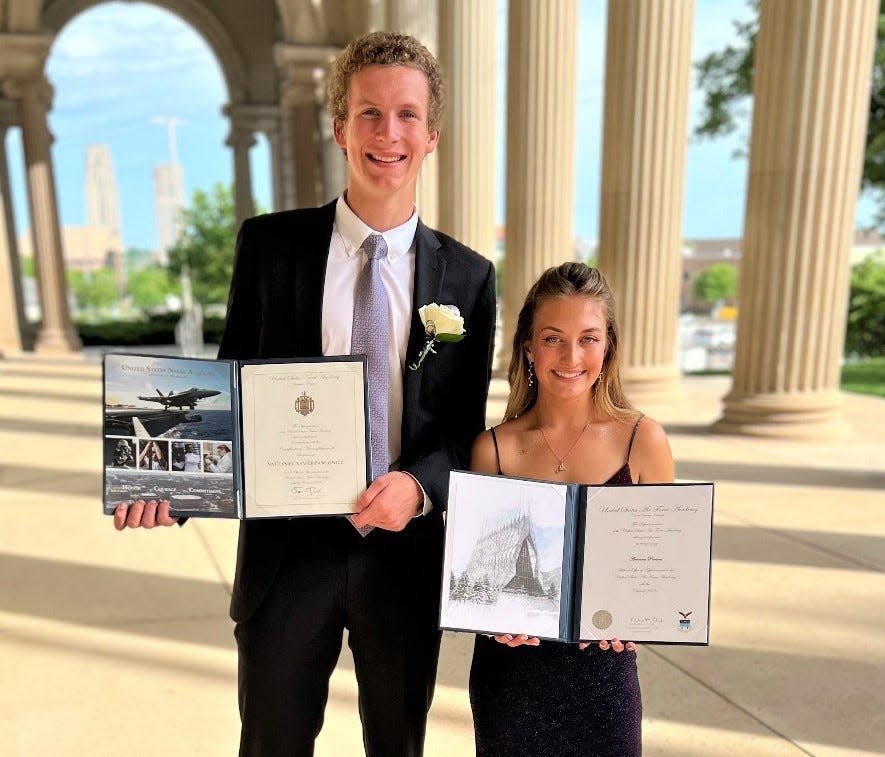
632	437
497	455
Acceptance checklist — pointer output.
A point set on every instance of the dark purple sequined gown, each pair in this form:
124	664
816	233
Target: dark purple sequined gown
555	700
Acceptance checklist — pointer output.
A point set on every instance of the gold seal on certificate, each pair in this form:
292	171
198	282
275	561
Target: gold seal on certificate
602	619
304	404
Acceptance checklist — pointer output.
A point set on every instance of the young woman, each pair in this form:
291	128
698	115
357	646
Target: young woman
566	420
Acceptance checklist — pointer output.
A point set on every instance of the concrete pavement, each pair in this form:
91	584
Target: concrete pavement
119	643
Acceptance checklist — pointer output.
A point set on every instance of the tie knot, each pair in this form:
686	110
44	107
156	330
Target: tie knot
374	246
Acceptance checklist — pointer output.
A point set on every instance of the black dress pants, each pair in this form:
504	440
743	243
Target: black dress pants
385	591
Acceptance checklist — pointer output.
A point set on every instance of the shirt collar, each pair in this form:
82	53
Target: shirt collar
354	231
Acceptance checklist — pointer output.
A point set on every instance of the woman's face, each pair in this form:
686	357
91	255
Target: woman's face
568	344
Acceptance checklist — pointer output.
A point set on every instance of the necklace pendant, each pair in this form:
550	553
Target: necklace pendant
561	466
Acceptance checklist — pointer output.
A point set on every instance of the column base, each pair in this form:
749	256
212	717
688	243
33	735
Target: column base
647	386
54	341
11	345
499	392
797	415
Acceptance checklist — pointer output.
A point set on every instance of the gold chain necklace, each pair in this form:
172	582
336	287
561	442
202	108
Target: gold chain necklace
561	467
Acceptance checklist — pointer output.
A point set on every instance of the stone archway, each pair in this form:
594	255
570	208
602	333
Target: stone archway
202	19
244	55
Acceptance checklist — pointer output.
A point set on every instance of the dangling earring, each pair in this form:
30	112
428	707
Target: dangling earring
531	373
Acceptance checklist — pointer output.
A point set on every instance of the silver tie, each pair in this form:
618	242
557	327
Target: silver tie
370	336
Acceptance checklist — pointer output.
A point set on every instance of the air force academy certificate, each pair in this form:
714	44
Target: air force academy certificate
304	437
646	572
573	562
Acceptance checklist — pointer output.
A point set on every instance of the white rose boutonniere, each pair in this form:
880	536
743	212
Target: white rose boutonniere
442	323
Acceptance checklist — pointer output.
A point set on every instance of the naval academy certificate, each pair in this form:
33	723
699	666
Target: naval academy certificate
578	563
236	439
304	437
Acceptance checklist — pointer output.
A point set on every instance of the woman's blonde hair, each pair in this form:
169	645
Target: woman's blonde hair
567	280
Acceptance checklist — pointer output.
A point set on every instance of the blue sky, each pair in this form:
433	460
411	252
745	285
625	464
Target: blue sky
110	81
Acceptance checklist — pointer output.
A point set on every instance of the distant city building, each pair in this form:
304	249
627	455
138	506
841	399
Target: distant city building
169	203
866	242
102	197
168	194
85	248
698	254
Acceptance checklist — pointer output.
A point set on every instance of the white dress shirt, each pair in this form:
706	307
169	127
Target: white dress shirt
346	261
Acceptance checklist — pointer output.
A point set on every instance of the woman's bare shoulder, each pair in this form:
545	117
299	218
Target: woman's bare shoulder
650	458
487	449
483	457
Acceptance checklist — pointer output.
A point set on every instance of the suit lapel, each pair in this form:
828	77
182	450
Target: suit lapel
430	268
312	255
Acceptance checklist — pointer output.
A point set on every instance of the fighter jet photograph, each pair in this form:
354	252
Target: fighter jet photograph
136	384
151	398
187	398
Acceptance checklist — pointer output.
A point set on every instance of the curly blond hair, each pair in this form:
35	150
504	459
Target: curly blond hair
385	49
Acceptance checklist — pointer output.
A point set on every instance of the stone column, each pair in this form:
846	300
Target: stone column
334	162
13	324
418	18
247	120
811	97
56	334
466	153
541	94
645	133
467	148
302	98
282	189
303	139
241	139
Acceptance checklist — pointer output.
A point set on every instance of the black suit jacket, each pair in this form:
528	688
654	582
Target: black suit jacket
275	311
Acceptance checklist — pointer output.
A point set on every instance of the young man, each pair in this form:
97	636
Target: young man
297	292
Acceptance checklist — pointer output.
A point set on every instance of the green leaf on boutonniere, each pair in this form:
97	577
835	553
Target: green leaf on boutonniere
442	323
449	337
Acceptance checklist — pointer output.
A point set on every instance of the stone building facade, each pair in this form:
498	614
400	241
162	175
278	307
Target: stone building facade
814	61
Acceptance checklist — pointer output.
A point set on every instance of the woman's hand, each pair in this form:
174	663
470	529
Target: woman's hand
517	640
616	644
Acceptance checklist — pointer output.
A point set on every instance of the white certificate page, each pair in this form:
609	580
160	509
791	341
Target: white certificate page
304	437
503	555
646	573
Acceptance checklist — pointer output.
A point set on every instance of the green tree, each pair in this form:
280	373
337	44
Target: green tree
715	283
865	333
206	244
95	289
137	258
726	78
149	286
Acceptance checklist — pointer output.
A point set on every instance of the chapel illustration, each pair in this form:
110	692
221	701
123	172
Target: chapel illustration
506	557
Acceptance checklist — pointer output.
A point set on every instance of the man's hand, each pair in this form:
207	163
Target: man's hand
143	514
389	502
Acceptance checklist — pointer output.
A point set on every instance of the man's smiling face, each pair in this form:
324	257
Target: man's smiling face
385	136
